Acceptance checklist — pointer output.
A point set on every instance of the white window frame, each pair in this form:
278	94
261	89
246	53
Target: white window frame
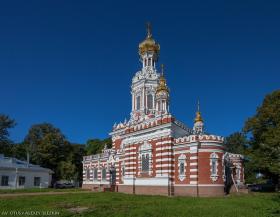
150	103
102	177
146	149
5	178
138	102
182	159
35	181
214	174
95	174
145	157
21	180
88	174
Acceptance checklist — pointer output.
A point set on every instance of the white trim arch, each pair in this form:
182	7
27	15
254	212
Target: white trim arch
214	166
182	162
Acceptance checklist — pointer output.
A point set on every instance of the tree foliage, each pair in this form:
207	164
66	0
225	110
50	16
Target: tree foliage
49	148
236	143
95	146
6	123
264	132
76	157
66	170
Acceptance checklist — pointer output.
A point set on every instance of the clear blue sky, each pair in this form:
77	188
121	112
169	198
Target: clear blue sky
70	63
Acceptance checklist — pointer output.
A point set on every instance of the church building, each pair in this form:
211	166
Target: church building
153	152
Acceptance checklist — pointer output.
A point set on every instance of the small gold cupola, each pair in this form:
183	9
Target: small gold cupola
149	44
198	117
162	82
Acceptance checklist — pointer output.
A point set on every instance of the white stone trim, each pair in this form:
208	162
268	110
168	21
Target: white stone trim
164	159
157	181
214	176
162	165
182	160
164	153
164	148
144	136
182	152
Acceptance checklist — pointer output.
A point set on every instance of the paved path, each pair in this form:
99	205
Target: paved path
42	193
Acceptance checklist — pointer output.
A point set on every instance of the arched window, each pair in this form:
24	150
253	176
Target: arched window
182	166
95	172
88	174
145	158
214	166
145	162
138	102
150	101
103	174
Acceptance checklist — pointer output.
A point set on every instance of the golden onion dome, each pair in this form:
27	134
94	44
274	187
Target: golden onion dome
162	82
149	44
198	117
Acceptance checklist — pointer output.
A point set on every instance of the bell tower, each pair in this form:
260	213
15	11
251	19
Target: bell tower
162	95
149	51
145	82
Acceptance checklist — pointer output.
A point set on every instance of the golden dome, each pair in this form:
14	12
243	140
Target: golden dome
162	82
198	117
149	43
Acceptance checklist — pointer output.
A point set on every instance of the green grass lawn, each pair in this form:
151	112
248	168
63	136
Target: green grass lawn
117	204
32	190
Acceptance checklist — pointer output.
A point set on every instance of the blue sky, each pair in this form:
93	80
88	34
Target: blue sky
70	63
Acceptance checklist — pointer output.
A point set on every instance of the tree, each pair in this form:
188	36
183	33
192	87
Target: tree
47	147
6	123
264	132
236	143
66	170
76	157
19	151
95	146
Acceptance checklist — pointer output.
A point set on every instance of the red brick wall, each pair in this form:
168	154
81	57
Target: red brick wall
204	168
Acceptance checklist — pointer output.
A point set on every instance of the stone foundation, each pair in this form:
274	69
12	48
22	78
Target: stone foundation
95	187
194	191
144	190
202	191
